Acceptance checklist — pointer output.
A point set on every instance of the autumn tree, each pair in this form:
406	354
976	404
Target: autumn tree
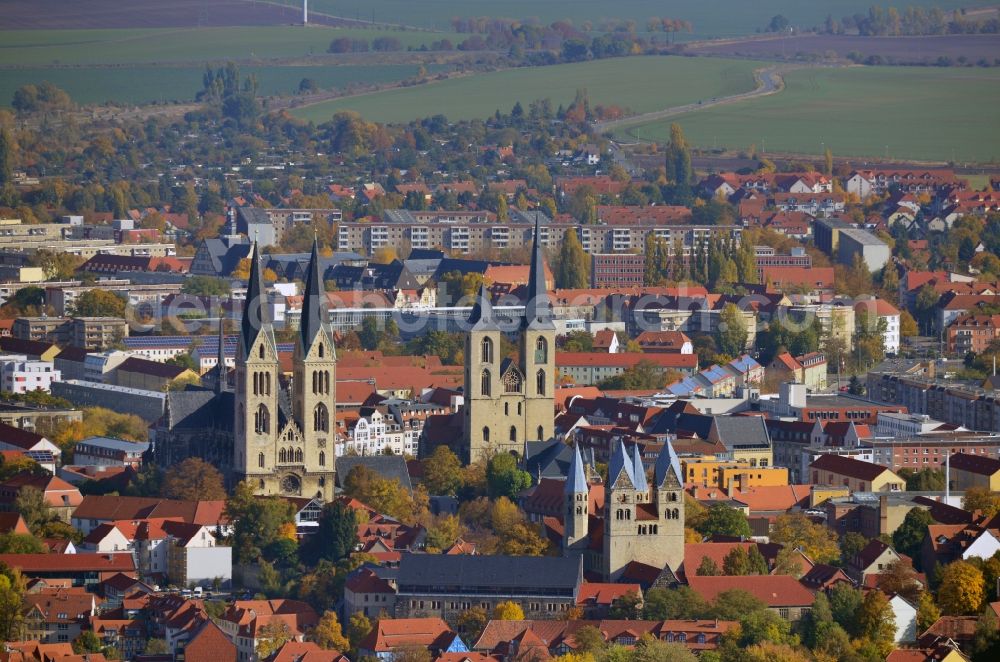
982	499
385	495
708	568
357	629
817	541
517	536
899	577
927	611
99	303
272	636
20	543
443	532
328	634
877	622
962	589
736	562
443	472
573	270
193	480
669	604
31	504
11	597
470	623
508	611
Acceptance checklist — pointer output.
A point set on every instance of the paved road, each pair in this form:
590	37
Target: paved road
769	81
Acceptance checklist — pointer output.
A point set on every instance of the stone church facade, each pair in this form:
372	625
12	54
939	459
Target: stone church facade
509	402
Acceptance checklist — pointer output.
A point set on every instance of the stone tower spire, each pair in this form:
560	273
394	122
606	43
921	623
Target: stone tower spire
537	307
255	314
576	497
313	300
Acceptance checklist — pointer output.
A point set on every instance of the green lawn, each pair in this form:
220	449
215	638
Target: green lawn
640	83
144	84
710	19
905	112
140	46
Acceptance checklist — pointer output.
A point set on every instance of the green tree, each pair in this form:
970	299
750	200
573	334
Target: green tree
87	642
722	520
573	270
758	564
850	544
731	334
909	537
678	158
708	568
668	604
99	303
11	597
925	480
155	647
358	628
736	562
335	536
193	480
257	522
443	472
746	261
20	543
6	157
503	477
845	603
627	607
927	611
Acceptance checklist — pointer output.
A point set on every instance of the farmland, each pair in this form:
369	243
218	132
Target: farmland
710	19
934	114
146	45
665	81
145	84
918	50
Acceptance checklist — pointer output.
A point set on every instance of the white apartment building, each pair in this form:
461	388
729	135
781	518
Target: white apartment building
19	374
394	425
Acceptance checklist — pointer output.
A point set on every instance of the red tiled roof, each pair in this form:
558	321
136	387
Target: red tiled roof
32	563
774	591
389	634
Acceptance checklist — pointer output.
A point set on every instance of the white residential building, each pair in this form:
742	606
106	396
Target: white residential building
19	374
392	425
906	619
892	424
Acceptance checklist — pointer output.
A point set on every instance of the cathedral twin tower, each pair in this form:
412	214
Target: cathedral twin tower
285	435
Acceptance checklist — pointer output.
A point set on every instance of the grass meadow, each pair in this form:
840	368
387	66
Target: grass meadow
158	45
146	84
921	113
639	83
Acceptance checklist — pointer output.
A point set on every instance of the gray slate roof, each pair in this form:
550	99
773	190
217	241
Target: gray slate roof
439	572
200	409
742	431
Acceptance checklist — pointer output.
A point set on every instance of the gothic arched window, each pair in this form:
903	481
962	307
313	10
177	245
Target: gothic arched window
262	420
486	350
486	435
321	418
486	383
513	433
260	460
322	459
260	352
540	382
320	348
541	350
298	454
282	456
541	433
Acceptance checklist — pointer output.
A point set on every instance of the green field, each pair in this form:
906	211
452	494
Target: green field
142	46
640	83
98	85
922	113
710	19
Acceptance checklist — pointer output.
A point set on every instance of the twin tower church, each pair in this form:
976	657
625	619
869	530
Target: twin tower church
284	430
